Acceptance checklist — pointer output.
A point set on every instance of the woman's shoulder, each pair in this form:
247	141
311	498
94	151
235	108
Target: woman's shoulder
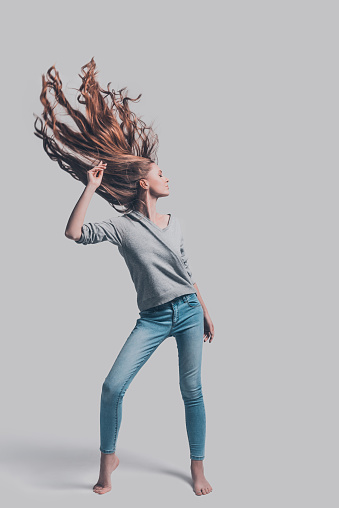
128	221
124	222
119	222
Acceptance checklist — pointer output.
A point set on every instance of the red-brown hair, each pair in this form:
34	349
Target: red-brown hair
108	131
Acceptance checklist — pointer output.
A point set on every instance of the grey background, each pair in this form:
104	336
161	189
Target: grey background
244	96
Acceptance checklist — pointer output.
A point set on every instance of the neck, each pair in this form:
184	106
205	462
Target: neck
149	208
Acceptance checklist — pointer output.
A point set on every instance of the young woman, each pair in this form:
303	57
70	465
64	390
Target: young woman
151	244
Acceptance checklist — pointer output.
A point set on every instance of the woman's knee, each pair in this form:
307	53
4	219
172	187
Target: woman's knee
191	391
111	389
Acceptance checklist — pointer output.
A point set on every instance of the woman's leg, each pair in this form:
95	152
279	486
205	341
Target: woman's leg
189	334
146	336
189	344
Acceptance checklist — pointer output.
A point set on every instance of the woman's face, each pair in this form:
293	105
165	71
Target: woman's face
157	182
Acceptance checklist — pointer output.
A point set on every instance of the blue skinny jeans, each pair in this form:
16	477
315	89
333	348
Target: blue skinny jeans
181	318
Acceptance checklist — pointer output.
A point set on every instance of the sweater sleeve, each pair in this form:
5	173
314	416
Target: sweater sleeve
185	259
95	232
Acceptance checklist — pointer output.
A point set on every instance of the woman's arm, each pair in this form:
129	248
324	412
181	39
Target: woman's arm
208	325
77	217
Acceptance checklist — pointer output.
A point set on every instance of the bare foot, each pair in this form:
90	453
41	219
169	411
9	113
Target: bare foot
200	484
108	462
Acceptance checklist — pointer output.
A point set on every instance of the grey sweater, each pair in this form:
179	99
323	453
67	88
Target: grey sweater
155	257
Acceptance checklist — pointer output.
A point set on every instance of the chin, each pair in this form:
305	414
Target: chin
166	193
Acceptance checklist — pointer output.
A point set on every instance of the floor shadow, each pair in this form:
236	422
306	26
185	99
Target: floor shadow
138	462
61	467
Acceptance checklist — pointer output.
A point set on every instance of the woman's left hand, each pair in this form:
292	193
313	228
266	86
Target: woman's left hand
208	328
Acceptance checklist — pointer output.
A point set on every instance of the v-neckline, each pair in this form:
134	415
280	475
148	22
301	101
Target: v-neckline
153	223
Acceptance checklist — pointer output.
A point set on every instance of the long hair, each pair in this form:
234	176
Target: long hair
108	131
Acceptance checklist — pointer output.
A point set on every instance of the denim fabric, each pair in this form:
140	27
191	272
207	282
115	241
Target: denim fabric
181	318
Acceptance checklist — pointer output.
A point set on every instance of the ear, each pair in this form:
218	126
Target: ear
143	183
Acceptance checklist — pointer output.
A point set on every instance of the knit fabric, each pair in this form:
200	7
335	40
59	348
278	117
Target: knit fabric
155	257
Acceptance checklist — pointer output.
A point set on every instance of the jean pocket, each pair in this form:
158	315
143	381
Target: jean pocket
192	300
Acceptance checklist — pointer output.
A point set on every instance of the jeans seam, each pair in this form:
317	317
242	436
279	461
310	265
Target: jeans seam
195	305
189	304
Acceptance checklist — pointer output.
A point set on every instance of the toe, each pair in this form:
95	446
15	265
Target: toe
102	490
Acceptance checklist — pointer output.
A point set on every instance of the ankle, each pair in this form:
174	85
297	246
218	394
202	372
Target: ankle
107	456
197	463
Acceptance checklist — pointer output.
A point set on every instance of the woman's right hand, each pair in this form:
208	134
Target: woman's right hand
94	175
